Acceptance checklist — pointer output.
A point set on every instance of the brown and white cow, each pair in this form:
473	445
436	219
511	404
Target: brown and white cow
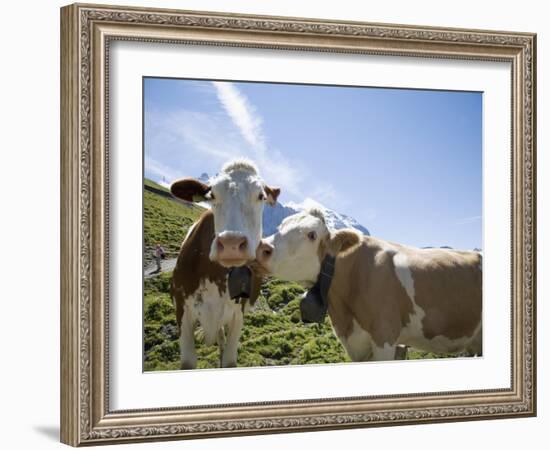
383	294
225	236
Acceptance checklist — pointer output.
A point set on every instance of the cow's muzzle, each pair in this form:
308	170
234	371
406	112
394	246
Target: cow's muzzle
231	249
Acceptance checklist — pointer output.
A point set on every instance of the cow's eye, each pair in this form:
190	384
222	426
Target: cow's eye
261	196
312	235
210	196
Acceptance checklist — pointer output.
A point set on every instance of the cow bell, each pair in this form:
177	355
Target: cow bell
239	282
314	305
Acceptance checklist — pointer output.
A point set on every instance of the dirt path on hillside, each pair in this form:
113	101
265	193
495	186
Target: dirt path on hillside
166	264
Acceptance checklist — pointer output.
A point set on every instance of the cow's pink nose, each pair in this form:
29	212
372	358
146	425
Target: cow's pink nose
232	247
264	252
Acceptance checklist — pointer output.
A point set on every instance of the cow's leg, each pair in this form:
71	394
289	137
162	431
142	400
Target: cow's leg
358	344
221	343
385	353
229	357
188	354
357	351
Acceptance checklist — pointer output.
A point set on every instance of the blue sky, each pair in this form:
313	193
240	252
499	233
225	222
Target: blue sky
407	164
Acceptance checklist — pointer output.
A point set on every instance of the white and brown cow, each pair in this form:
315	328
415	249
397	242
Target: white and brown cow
225	236
383	294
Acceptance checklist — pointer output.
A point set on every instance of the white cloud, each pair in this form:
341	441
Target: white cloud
275	168
242	113
325	193
188	143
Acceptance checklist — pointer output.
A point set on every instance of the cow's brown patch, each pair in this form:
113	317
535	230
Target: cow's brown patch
194	266
365	287
448	287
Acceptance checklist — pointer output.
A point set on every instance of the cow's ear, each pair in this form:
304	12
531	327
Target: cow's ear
272	194
189	189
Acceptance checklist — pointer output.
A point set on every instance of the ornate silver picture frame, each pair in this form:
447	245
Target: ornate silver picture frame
87	33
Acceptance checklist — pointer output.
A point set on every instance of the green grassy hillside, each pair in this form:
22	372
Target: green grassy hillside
151	183
273	333
165	221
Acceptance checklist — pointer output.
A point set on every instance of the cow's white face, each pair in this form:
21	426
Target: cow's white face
293	253
237	197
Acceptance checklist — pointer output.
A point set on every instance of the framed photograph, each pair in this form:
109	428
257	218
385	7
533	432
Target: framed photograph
279	224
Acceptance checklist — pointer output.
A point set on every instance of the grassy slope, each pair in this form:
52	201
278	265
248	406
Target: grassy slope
273	333
165	221
148	182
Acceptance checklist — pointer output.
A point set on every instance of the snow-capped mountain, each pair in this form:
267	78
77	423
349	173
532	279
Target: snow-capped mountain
273	216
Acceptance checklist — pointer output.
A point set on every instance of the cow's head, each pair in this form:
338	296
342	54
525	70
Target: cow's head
295	252
237	196
298	249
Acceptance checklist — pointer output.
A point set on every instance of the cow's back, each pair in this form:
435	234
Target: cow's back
448	288
386	288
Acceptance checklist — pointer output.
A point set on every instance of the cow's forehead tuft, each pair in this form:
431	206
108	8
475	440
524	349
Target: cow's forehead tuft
236	180
316	212
240	165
